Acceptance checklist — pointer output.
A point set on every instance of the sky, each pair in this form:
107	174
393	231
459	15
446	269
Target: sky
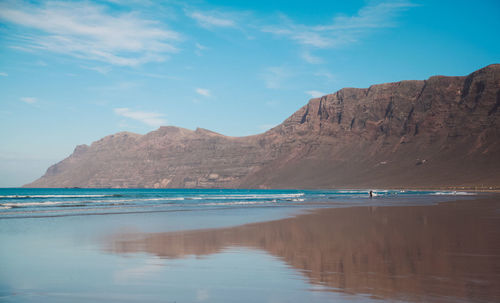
72	72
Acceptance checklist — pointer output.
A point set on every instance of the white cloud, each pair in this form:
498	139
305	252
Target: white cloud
3	74
29	100
275	76
100	69
149	118
310	58
212	19
371	16
200	46
343	29
315	93
89	31
204	92
199	49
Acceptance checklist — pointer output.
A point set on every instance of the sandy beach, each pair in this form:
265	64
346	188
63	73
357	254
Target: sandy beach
445	252
437	252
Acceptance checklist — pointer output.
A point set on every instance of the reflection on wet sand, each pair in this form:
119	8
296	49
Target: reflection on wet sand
443	252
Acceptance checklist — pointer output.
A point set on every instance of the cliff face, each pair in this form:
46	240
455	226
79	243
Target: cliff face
444	131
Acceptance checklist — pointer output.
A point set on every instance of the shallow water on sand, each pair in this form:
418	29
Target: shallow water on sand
447	252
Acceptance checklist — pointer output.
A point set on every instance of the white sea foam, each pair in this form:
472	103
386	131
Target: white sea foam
453	193
47	203
51	203
52	196
352	191
152	199
252	196
257	198
235	203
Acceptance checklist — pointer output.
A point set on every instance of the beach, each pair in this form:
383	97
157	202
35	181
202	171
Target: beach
428	248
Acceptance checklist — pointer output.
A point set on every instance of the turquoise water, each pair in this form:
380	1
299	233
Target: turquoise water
27	202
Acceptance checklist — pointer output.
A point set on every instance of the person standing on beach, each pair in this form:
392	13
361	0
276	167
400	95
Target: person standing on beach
371	193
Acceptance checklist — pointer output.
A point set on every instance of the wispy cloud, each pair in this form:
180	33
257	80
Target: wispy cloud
275	76
203	92
212	19
343	29
199	49
326	75
89	31
149	118
308	57
100	69
29	100
315	93
3	74
200	46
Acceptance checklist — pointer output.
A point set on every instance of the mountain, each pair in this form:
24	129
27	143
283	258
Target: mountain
439	132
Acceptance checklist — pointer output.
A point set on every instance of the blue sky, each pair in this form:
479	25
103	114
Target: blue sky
72	72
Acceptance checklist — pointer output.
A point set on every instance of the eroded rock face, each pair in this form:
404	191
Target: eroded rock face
444	131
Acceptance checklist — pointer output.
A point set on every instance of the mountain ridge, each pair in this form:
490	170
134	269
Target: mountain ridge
439	132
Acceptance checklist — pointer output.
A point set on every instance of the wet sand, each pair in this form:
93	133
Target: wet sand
448	252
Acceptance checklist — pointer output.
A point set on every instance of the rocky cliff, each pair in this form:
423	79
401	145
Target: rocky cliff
440	132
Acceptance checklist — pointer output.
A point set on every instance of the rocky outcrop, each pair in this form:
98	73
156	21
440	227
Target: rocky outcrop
444	131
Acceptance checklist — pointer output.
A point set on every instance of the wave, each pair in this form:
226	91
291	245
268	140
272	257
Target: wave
351	192
54	196
248	196
151	199
454	193
236	203
250	202
133	203
47	203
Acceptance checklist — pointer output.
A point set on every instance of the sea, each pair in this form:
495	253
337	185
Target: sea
54	202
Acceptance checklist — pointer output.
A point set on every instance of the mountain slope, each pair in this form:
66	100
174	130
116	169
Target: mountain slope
444	131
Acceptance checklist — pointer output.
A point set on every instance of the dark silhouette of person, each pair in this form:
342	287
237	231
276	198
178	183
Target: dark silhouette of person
371	193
